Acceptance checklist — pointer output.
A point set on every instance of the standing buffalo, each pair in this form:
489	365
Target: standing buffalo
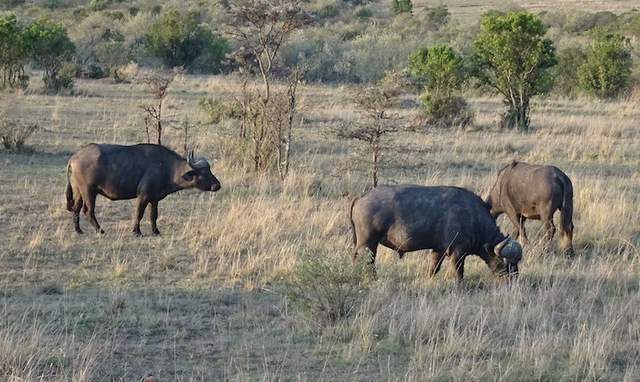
525	191
451	221
144	172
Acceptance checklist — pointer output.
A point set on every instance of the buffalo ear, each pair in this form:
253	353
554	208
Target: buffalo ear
487	248
189	175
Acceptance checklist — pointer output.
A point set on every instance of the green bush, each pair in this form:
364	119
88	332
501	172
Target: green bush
364	13
327	289
14	53
440	70
447	112
606	72
217	111
99	5
566	72
401	6
513	57
51	48
178	39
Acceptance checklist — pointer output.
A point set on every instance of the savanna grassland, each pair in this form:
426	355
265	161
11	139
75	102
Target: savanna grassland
207	299
230	291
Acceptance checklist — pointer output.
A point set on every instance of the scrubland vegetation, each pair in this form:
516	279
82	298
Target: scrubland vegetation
255	282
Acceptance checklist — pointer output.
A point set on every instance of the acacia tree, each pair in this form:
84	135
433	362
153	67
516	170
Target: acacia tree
374	129
261	27
158	84
513	57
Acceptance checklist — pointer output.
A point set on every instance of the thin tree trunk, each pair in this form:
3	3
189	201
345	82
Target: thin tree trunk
159	123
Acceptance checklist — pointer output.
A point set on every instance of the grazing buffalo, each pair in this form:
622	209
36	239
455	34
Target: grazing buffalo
451	221
144	172
526	191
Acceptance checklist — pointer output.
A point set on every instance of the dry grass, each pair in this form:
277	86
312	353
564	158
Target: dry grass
203	301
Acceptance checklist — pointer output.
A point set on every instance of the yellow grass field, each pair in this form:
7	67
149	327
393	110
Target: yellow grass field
205	301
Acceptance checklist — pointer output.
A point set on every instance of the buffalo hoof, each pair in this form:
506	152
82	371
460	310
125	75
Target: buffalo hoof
156	231
79	231
137	233
100	231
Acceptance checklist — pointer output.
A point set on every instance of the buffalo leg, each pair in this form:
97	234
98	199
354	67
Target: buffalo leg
523	232
567	242
459	262
373	250
153	215
518	223
550	230
436	262
77	206
141	205
90	205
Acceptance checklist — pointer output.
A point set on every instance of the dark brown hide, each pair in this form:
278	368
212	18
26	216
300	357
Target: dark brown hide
526	191
451	221
145	172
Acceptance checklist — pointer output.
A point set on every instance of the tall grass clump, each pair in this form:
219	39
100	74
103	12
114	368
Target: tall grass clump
327	289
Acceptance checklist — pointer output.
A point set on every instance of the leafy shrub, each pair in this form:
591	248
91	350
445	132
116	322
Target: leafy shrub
14	133
217	111
51	48
99	5
607	70
401	6
14	53
364	13
92	71
440	70
65	78
566	72
178	39
327	289
446	111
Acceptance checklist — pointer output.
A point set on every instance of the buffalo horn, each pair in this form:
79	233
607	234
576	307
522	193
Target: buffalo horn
500	245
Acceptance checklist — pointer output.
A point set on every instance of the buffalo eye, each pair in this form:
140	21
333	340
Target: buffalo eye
189	175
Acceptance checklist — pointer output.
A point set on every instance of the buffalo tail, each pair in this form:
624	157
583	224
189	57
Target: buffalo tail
566	212
69	191
353	227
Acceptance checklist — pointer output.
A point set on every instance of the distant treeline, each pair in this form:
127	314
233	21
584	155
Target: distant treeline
354	41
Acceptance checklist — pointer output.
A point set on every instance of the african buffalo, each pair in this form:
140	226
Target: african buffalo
144	172
451	221
526	191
